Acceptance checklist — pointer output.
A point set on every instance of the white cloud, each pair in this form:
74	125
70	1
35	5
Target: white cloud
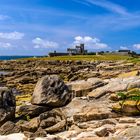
123	48
5	45
12	35
4	17
136	46
90	43
116	8
41	43
124	19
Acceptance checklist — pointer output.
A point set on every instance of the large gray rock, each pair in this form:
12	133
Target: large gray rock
51	91
7	98
7	105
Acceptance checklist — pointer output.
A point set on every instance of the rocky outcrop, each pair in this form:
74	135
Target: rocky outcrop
128	107
51	91
48	122
83	110
112	65
128	102
31	125
83	87
7	105
95	112
53	121
9	128
115	85
31	110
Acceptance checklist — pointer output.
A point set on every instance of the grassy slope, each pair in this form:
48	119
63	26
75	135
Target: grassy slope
85	57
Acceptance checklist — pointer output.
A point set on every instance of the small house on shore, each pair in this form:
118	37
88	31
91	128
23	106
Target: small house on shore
125	52
119	52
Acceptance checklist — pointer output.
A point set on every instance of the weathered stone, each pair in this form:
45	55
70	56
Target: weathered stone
7	105
51	91
53	121
128	74
39	133
124	125
48	122
114	97
6	114
57	127
21	122
25	80
95	115
82	87
117	107
101	132
81	110
97	93
31	126
131	132
85	135
9	128
138	123
127	120
28	134
32	110
135	84
7	98
130	107
113	86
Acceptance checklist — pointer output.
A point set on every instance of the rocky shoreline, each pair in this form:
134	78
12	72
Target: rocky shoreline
70	100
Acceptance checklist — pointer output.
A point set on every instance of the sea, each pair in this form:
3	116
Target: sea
15	57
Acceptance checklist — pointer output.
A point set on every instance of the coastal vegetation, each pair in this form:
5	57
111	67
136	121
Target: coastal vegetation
105	57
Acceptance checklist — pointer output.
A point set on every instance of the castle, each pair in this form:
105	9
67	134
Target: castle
78	50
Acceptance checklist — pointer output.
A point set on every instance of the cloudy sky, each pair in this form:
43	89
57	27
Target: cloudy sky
35	27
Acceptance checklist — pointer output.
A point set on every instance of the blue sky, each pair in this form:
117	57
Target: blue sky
35	27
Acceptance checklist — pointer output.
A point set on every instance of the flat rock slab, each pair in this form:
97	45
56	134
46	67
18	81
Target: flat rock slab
83	110
127	120
115	85
31	110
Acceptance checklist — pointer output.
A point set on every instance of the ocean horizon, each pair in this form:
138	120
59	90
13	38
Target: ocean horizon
15	57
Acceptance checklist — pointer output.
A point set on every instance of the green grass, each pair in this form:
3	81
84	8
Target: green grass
134	60
130	95
84	57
